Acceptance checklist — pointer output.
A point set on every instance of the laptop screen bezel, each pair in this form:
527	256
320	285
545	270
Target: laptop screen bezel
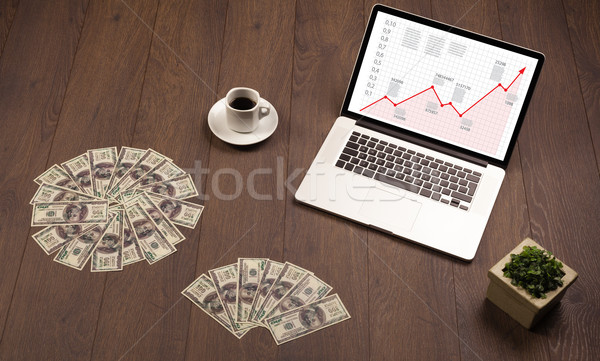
451	148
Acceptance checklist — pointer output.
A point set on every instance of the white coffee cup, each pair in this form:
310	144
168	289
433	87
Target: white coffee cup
245	109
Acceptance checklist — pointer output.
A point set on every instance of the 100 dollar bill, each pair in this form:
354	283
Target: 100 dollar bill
249	274
51	193
58	213
55	175
307	319
164	170
108	254
225	281
202	293
146	162
180	212
290	275
132	252
153	243
270	274
102	163
163	224
78	169
127	158
76	253
309	289
180	187
127	196
52	238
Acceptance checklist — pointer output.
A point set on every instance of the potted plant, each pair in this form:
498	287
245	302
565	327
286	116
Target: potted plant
528	282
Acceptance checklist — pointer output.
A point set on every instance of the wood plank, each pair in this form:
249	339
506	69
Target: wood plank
478	320
7	13
182	69
34	72
327	39
563	191
584	31
257	53
99	110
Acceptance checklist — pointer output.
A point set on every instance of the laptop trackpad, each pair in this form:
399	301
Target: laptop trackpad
390	211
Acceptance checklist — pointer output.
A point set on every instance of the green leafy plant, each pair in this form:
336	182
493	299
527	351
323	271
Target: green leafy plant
536	270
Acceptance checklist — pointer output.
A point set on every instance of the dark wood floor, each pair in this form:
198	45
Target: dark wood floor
76	75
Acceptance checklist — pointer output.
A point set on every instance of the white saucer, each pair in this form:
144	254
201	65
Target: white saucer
218	125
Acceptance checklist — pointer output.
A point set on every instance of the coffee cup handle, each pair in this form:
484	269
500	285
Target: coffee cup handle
264	109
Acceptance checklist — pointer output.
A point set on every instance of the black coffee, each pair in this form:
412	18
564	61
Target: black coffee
242	103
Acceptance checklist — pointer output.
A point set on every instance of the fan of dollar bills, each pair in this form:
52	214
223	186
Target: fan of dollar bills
256	292
114	209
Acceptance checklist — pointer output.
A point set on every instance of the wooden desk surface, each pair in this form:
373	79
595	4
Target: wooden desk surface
77	75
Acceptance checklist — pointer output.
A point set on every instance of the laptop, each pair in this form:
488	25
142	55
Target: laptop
426	130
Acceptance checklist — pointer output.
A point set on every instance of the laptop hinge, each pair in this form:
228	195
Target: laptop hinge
396	134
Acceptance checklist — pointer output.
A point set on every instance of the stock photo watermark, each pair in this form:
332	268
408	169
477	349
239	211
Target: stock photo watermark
335	183
241	182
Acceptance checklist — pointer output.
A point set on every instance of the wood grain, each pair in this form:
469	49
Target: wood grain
56	306
584	31
177	93
32	87
257	52
329	246
563	209
7	13
75	76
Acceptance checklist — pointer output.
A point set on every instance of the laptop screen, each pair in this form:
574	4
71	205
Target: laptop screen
442	83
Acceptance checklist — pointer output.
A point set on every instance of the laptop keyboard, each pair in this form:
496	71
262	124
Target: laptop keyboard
410	170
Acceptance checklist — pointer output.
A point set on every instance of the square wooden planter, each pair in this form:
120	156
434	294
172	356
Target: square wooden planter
520	305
